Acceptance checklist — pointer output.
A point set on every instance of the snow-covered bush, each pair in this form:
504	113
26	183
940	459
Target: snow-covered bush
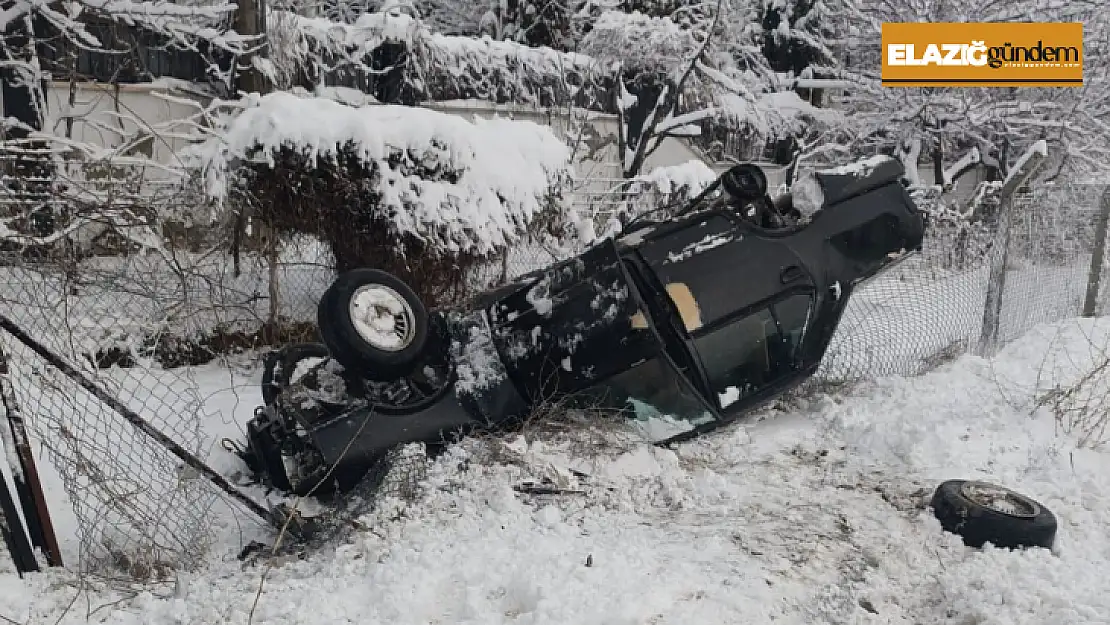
668	187
410	190
661	192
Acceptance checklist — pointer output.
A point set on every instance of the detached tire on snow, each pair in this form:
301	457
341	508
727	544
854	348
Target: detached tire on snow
983	513
373	324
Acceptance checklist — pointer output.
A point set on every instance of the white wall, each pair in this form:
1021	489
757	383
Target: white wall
111	117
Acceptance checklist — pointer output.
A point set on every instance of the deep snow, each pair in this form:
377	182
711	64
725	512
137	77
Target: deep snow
813	516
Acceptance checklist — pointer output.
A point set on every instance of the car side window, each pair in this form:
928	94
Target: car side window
747	354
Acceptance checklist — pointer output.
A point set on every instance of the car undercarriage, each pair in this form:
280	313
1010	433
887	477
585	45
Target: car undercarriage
690	320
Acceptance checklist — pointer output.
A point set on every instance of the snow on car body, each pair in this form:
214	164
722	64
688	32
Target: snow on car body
697	318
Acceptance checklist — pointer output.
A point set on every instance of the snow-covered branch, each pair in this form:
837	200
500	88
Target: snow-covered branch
403	61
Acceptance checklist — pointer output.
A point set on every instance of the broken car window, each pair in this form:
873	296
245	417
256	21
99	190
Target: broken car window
747	354
651	389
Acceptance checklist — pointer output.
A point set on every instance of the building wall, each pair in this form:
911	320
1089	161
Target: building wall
151	118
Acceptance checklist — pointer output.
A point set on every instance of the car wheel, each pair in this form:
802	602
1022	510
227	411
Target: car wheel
281	364
982	513
373	323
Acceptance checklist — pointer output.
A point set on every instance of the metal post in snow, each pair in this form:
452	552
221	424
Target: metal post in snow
13	533
992	311
1094	274
25	473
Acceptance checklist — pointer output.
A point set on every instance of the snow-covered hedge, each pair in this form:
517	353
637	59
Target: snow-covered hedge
670	185
398	59
388	185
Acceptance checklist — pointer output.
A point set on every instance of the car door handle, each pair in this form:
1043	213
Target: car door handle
791	274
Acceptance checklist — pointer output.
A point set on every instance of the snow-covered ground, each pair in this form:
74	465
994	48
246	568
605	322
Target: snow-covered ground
813	516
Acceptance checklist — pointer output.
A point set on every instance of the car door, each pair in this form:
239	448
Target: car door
712	266
571	325
745	300
753	355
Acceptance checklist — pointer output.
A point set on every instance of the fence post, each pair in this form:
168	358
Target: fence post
992	311
1094	275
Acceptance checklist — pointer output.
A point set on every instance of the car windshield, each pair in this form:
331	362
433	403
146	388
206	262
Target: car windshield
653	392
743	356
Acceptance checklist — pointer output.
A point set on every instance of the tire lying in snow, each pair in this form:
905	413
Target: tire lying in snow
280	365
373	323
983	513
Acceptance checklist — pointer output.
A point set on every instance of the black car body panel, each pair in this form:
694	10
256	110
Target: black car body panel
701	317
562	331
365	432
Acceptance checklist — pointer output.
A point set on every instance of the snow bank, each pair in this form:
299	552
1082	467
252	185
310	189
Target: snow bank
816	516
506	169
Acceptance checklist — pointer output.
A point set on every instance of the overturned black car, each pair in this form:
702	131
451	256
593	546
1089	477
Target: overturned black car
692	320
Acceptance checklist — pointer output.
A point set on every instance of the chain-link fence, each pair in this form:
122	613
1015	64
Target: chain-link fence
935	306
92	273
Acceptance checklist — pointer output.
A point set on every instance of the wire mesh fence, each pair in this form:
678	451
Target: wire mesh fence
86	274
932	307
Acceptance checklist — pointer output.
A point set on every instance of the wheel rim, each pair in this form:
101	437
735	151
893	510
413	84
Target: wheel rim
1000	500
382	317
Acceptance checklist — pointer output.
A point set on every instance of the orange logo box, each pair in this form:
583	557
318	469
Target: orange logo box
985	54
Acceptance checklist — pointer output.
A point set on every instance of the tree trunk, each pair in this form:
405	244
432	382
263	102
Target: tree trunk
249	20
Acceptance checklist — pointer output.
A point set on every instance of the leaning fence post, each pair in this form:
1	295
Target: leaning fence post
992	311
1094	274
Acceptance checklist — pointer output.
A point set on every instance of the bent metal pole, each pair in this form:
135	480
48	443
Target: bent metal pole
134	419
26	476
